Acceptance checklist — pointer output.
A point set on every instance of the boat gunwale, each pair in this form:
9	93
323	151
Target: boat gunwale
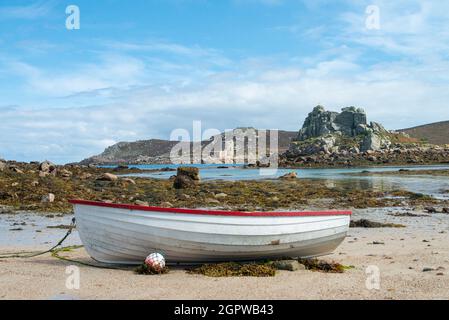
211	212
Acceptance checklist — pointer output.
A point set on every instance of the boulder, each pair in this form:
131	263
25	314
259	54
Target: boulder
47	167
65	173
289	176
107	177
186	177
183	182
15	169
129	180
191	172
221	195
371	142
49	198
289	265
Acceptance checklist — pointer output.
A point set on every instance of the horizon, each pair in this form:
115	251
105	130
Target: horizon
138	72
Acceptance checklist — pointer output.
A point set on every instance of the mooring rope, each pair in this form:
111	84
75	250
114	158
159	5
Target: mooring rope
55	252
35	254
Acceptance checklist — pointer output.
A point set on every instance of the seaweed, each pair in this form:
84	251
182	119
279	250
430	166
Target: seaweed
145	270
324	266
234	269
364	223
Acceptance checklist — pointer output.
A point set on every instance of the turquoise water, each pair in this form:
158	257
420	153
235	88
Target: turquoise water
341	177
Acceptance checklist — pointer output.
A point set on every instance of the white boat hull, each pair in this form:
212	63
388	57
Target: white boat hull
127	234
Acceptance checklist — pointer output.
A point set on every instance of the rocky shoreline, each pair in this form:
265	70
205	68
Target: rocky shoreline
44	187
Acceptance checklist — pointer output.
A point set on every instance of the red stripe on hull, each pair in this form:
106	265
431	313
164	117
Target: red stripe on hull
211	212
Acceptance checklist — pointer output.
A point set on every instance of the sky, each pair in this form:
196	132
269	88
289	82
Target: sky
140	69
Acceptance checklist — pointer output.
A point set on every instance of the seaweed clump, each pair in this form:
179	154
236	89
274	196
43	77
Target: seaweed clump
234	269
364	223
145	270
323	266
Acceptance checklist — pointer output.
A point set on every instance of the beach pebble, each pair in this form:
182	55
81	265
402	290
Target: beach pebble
289	265
49	198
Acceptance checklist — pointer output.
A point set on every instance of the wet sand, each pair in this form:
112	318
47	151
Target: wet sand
401	259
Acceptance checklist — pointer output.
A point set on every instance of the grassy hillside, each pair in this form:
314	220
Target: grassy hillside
435	133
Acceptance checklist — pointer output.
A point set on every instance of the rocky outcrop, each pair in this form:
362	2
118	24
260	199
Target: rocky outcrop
327	132
351	122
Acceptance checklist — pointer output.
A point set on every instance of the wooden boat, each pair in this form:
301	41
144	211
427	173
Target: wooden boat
126	234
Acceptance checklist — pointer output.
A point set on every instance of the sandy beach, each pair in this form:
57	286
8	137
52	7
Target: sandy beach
401	254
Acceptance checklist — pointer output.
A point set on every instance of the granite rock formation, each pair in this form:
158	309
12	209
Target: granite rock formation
348	131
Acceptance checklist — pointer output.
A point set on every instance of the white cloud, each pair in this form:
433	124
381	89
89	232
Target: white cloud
36	10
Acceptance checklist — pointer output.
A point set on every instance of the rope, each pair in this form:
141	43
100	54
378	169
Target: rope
25	255
55	252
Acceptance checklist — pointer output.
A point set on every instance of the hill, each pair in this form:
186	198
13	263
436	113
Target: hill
158	151
434	133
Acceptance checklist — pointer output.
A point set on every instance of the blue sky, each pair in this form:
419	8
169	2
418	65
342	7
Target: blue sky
140	70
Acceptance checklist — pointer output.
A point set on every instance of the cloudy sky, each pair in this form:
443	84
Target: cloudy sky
140	70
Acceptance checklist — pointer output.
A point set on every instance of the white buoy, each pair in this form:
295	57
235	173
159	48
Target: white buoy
155	262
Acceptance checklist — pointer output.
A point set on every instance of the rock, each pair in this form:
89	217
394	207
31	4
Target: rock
445	210
15	169
85	176
191	172
49	198
129	180
2	166
427	269
184	196
142	203
34	183
65	173
289	176
186	177
183	182
47	167
289	265
221	195
321	122
210	200
430	210
43	174
14	184
166	205
108	177
372	141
